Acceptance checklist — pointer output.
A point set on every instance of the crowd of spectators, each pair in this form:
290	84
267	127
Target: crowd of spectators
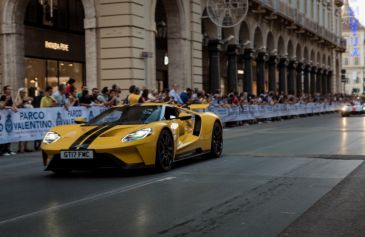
67	96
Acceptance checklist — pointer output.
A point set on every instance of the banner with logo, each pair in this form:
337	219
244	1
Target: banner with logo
32	124
250	112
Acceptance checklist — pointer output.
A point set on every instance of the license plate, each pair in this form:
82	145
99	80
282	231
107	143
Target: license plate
82	155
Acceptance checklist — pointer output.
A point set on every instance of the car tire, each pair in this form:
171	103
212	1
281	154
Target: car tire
344	115
164	151
217	141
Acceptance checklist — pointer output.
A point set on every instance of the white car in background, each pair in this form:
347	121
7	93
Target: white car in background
355	107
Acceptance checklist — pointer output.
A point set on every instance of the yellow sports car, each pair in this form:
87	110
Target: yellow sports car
142	135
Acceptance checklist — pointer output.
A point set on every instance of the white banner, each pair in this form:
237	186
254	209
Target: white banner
32	124
249	112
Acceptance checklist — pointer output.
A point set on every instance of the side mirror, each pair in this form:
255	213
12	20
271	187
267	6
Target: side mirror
80	120
184	116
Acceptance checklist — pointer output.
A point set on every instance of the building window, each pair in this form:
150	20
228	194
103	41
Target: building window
346	61
356	60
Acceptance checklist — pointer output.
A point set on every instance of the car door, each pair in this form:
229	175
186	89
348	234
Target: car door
188	141
183	130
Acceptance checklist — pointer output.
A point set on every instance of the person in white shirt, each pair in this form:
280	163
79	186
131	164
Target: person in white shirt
60	96
174	93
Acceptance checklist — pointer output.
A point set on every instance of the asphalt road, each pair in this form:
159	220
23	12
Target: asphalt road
270	177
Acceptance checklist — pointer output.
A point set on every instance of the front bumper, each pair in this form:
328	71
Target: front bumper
100	160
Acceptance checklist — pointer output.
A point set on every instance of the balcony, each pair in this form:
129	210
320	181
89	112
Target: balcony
292	14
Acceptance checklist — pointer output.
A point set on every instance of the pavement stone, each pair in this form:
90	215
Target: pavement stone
341	212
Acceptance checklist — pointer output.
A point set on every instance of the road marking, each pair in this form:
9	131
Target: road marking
288	213
90	198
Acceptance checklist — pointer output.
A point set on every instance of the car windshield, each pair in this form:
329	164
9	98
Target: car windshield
128	115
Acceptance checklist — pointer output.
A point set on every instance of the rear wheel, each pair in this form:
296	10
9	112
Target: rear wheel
165	151
217	141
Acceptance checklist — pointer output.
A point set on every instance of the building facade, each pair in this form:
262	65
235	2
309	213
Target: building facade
353	59
292	46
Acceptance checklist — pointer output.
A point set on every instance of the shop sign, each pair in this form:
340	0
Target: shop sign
56	46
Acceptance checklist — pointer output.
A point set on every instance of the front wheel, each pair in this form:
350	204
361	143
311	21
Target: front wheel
165	151
217	141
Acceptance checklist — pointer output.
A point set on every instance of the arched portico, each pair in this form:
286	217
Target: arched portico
176	51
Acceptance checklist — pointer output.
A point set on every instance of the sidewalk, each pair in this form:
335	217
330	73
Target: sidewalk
341	212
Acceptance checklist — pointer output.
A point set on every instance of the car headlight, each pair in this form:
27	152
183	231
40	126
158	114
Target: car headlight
137	135
344	108
51	137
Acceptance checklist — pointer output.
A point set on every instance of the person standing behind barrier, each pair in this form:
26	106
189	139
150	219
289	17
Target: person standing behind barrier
94	96
186	95
37	100
85	99
113	95
117	91
134	98
47	100
72	99
70	86
60	96
105	97
6	102
23	101
37	104
174	93
131	91
144	96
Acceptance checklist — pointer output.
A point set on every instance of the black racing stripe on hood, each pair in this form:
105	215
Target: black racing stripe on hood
78	141
91	138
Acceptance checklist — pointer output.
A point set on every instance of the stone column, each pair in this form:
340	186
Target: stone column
299	83
324	82
232	52
91	51
319	80
12	54
307	70
272	73
214	48
260	60
247	79
313	80
282	74
291	81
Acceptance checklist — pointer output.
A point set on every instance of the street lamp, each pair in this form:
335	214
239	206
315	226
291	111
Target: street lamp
166	60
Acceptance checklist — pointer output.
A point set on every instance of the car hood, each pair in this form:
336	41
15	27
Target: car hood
81	136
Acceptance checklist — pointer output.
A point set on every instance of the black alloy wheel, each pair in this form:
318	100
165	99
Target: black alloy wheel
217	141
165	151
